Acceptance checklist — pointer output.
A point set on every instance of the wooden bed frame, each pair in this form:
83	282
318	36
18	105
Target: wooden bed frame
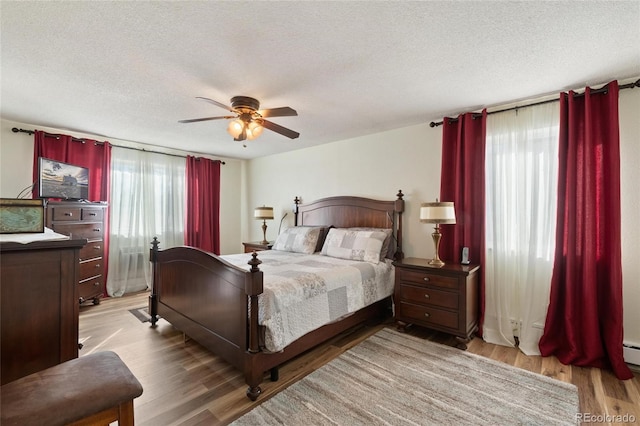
206	297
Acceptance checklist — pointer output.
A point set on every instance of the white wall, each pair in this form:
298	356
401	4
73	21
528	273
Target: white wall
16	163
629	110
374	166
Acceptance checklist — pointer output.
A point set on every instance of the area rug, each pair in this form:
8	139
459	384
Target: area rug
393	378
141	313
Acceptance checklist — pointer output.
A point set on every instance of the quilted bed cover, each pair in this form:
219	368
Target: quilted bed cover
303	292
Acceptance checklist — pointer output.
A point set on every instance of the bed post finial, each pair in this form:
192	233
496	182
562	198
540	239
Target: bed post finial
254	287
254	262
296	202
153	295
154	249
399	208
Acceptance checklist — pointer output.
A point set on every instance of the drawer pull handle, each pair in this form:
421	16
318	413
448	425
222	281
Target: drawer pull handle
68	214
426	314
92	214
426	296
96	247
426	278
97	265
96	284
96	229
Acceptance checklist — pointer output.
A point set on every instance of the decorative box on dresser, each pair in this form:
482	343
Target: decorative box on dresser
440	298
39	305
250	247
83	220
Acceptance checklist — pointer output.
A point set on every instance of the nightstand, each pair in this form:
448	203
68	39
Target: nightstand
440	298
251	246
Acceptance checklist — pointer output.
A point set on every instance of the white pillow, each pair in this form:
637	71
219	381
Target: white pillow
354	245
299	239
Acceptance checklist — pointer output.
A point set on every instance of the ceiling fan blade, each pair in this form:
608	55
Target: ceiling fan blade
221	105
194	120
278	112
279	129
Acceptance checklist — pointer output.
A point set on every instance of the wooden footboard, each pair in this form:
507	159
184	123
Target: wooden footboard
216	303
206	298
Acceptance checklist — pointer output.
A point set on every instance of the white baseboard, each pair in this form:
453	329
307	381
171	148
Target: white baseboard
631	352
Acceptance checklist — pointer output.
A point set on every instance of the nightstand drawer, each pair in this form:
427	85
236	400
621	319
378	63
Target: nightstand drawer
428	315
428	296
426	278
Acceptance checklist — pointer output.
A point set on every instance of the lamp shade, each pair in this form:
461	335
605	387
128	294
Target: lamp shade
263	213
438	212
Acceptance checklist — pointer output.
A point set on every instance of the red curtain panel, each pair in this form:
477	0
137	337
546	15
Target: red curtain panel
463	182
96	156
584	320
202	228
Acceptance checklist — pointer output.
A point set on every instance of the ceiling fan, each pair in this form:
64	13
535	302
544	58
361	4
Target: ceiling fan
249	119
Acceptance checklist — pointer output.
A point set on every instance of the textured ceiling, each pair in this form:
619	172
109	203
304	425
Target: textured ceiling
131	70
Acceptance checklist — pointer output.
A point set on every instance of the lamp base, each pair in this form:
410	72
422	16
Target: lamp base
264	232
436	262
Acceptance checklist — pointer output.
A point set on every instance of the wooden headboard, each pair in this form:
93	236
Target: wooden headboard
348	212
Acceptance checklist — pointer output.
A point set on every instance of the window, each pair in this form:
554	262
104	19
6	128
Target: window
521	184
147	200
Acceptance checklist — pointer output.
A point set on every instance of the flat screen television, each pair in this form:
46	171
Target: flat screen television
62	180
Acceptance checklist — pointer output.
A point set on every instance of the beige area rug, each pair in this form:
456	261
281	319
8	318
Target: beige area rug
395	379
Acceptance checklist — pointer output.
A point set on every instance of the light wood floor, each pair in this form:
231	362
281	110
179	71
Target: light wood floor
184	384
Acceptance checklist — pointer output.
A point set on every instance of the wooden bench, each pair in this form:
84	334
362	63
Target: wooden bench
90	390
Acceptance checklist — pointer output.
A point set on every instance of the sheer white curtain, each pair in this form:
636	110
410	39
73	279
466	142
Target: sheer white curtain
521	185
147	200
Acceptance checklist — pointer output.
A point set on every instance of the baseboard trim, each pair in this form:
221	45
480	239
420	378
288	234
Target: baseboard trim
631	353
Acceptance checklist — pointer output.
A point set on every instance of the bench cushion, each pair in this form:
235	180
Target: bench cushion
69	391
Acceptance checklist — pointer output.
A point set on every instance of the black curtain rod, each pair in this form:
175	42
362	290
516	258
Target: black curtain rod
601	90
57	136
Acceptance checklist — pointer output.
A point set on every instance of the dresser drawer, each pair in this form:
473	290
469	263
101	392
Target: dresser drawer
92	250
66	213
90	289
428	296
90	231
427	315
91	268
426	278
92	214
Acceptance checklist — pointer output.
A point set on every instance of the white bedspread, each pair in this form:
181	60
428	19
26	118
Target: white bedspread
302	292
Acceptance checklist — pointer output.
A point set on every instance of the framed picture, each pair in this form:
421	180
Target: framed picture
18	216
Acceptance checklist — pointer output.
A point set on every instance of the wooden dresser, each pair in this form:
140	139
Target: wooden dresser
39	306
83	220
443	299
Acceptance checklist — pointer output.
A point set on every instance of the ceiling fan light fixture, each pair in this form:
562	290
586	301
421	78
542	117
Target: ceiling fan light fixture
249	121
254	129
235	128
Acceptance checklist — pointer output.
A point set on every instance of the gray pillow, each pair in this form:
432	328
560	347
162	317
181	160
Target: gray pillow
354	245
299	239
387	249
